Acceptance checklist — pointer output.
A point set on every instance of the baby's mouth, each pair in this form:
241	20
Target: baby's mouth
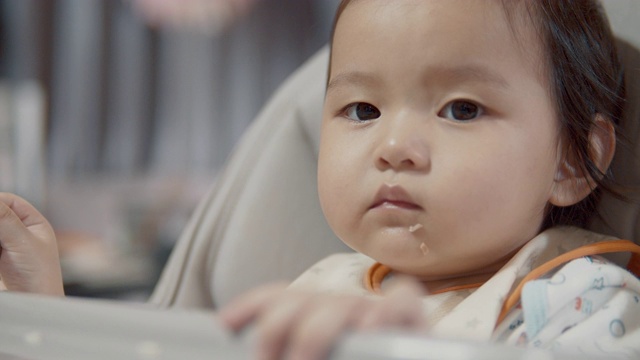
394	196
396	204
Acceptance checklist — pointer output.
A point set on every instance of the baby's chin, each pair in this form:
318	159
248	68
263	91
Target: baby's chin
427	260
389	243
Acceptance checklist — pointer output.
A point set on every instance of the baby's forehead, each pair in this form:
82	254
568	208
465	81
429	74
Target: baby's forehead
513	21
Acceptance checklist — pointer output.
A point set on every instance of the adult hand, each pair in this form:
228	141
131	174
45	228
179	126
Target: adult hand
306	325
29	259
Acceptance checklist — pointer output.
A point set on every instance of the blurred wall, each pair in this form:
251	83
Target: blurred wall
114	129
125	99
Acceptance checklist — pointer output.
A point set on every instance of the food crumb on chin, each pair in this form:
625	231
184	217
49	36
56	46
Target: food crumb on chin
424	248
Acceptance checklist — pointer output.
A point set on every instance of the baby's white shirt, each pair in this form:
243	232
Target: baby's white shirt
469	314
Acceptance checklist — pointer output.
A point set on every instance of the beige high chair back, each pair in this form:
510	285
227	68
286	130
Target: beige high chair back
262	220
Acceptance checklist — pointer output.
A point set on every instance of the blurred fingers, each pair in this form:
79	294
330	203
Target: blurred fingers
405	296
319	330
306	326
400	308
275	327
28	214
244	309
18	220
12	230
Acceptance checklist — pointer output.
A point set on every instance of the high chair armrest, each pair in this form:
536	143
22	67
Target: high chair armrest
39	327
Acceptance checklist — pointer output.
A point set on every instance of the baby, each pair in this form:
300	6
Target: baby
459	140
463	145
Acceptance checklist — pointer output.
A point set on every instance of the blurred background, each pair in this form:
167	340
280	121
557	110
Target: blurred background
116	116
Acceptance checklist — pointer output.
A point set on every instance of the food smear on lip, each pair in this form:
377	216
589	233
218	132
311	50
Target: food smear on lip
414	228
424	249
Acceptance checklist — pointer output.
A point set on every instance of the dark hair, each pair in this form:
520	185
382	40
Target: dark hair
586	79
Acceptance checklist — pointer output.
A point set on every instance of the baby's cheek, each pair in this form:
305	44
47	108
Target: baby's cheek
477	200
503	207
333	200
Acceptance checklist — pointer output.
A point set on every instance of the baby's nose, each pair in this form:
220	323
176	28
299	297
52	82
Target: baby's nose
402	147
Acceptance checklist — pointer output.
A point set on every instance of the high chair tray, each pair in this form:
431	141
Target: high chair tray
36	327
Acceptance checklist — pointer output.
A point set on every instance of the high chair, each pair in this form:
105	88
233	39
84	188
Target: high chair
262	222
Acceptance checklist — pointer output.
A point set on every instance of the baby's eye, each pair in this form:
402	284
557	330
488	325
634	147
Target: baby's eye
461	110
362	112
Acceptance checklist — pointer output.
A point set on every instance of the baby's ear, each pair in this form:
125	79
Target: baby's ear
571	184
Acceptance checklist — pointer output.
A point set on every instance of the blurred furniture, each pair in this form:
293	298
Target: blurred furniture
33	327
22	139
132	118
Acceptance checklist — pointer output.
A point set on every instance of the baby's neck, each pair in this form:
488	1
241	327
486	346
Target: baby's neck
455	283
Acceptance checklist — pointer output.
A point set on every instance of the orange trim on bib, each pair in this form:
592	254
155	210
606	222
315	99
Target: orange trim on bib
603	247
634	264
374	276
377	272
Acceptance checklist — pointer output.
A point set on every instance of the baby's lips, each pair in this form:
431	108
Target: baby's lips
394	195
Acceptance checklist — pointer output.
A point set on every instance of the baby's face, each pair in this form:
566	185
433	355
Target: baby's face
436	114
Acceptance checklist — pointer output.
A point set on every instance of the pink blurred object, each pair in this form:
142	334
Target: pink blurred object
207	16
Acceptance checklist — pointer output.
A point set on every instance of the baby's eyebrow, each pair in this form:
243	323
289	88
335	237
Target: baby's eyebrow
352	78
436	74
466	74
